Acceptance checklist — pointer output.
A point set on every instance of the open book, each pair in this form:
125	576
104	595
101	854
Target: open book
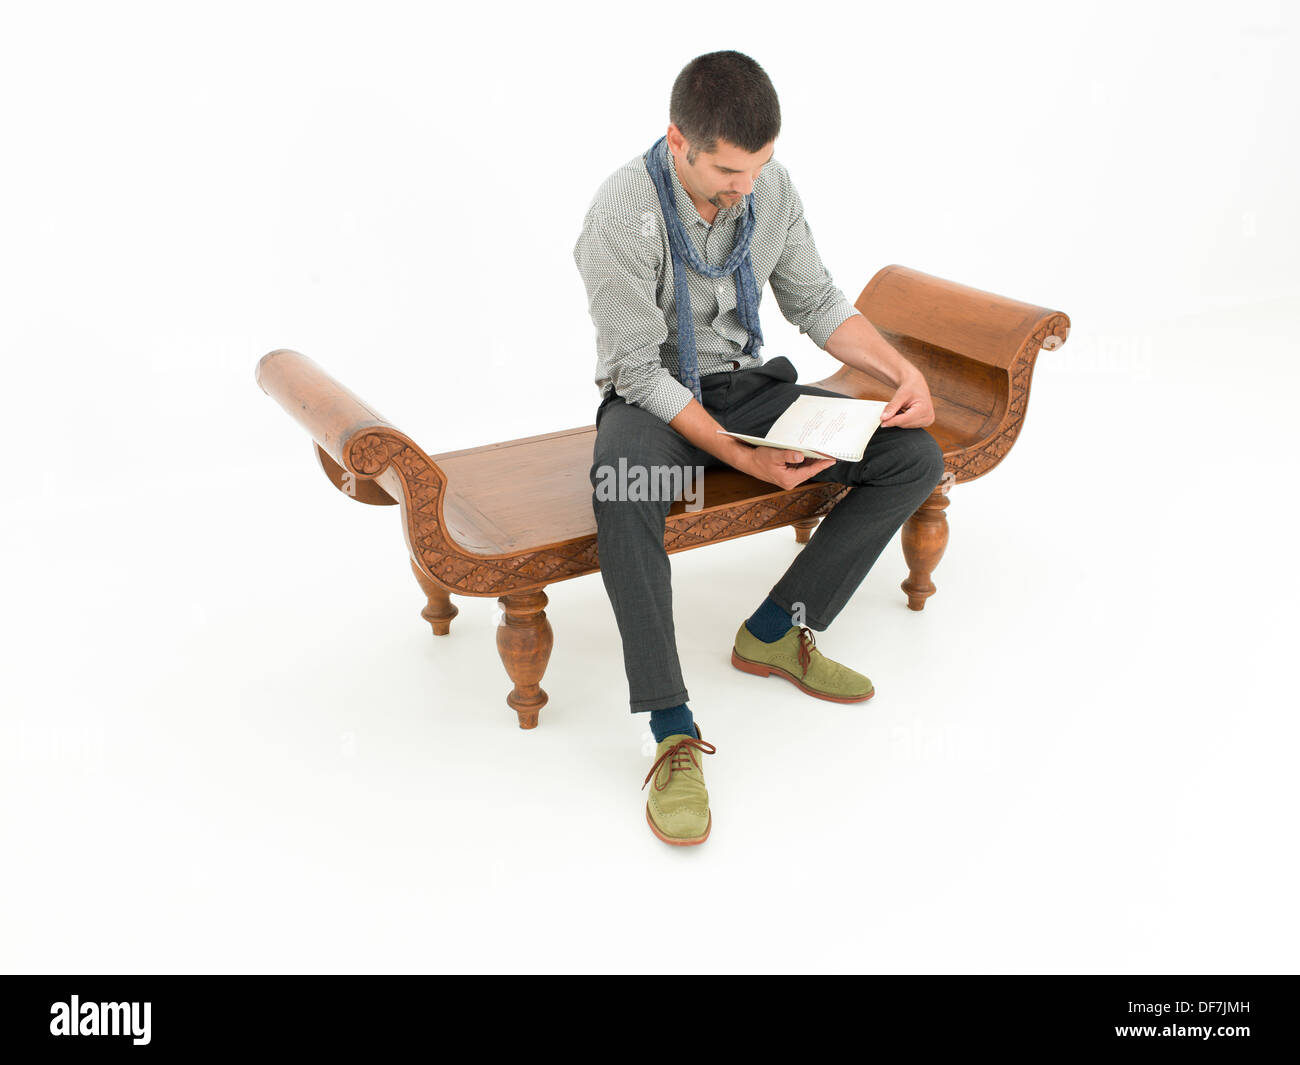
823	427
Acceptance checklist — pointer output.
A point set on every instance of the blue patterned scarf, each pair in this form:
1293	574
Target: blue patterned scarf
657	161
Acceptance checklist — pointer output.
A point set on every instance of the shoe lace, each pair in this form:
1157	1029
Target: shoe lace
807	645
681	755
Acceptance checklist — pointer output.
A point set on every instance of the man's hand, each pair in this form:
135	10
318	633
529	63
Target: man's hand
772	464
858	344
911	406
780	467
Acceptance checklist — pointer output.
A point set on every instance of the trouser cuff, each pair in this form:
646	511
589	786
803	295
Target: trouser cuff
662	702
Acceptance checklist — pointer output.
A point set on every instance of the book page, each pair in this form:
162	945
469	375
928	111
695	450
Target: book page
832	425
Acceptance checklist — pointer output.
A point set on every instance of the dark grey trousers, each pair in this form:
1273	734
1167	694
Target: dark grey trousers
897	472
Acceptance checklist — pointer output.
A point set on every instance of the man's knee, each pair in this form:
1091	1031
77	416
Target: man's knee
929	458
907	456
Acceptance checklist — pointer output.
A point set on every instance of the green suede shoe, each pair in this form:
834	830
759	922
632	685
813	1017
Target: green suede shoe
795	657
678	808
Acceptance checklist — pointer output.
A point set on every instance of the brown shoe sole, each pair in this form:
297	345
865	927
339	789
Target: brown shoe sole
762	669
679	842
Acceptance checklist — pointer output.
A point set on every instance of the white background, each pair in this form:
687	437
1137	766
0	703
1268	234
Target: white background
230	743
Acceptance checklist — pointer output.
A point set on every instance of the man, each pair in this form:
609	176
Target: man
675	250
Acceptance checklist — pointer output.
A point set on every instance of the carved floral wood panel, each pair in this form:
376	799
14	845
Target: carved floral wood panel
978	460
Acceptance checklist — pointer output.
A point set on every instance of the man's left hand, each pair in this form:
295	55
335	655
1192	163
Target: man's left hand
910	407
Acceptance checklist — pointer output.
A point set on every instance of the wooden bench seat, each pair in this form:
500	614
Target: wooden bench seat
509	519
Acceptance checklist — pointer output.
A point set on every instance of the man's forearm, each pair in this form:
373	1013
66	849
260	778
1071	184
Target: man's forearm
699	427
857	343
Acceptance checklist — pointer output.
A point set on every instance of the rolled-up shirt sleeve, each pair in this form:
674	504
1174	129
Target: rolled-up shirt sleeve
803	287
619	264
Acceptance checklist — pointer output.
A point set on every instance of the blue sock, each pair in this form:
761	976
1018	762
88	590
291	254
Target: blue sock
672	721
769	622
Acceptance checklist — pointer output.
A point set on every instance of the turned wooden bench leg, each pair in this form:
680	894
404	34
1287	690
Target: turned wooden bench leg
440	609
803	529
925	537
524	639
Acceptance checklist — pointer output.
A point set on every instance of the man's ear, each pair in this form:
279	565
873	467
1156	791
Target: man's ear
676	141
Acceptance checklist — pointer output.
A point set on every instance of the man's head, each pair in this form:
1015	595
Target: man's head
724	118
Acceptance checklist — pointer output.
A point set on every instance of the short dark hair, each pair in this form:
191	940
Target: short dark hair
724	96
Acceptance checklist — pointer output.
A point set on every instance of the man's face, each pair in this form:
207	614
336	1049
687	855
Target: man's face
722	177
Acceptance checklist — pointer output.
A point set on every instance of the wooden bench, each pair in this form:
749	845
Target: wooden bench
510	519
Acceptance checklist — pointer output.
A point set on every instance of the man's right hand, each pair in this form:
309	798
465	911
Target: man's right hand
772	464
780	467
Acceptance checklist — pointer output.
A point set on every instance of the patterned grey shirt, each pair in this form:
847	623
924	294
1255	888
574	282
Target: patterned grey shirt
626	265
